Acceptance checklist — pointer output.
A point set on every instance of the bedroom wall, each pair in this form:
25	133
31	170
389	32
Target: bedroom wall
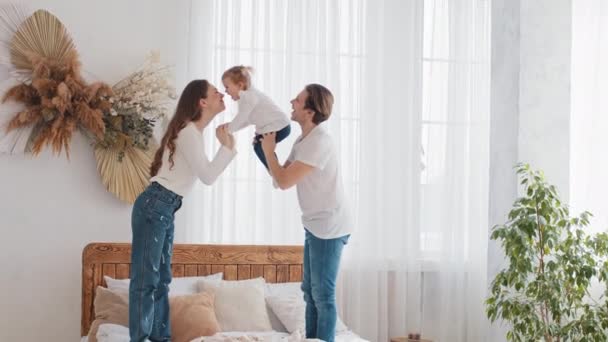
50	208
504	127
544	94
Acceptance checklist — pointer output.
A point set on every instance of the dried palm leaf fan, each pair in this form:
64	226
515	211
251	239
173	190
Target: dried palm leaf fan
15	141
41	35
125	172
11	18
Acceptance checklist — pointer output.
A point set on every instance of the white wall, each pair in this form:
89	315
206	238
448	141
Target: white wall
504	129
544	93
51	208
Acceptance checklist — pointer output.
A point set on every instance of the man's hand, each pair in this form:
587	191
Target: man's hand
269	142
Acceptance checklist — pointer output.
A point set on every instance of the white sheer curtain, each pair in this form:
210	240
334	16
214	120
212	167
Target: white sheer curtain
589	119
410	80
455	136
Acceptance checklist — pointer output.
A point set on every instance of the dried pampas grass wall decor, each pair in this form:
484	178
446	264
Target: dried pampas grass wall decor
47	100
56	98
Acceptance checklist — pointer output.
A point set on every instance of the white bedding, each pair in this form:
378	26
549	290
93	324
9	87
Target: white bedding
118	333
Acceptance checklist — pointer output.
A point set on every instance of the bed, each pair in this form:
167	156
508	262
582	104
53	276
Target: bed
275	264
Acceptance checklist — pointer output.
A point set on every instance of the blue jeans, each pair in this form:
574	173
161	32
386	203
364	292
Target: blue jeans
152	224
321	263
257	146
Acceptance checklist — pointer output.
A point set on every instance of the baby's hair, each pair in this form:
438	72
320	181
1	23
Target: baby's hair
238	74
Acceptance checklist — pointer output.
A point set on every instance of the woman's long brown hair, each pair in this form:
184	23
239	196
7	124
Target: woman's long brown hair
187	110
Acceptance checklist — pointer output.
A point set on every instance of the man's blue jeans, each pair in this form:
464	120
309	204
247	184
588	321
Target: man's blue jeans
321	264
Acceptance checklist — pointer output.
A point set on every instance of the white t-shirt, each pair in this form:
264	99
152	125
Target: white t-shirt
191	162
320	193
255	108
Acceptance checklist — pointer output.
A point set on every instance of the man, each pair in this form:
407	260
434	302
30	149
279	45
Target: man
314	168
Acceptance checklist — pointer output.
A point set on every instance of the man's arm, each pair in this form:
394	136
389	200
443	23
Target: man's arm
289	175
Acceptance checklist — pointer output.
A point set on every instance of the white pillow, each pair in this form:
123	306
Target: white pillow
272	289
287	301
283	289
179	286
239	304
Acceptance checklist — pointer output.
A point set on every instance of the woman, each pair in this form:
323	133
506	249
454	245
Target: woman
179	160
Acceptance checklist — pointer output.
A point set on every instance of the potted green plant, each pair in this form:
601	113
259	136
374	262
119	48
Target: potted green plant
543	292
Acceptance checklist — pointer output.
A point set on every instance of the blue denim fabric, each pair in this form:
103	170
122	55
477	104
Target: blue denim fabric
152	225
321	264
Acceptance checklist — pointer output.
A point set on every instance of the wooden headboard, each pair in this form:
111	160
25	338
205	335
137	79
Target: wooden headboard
277	264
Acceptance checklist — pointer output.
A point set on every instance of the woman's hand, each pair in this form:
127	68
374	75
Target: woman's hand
224	136
269	142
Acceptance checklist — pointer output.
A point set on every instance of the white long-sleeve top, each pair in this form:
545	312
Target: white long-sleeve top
256	108
191	162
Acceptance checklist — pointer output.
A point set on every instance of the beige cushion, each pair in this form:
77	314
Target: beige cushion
239	305
191	315
110	307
